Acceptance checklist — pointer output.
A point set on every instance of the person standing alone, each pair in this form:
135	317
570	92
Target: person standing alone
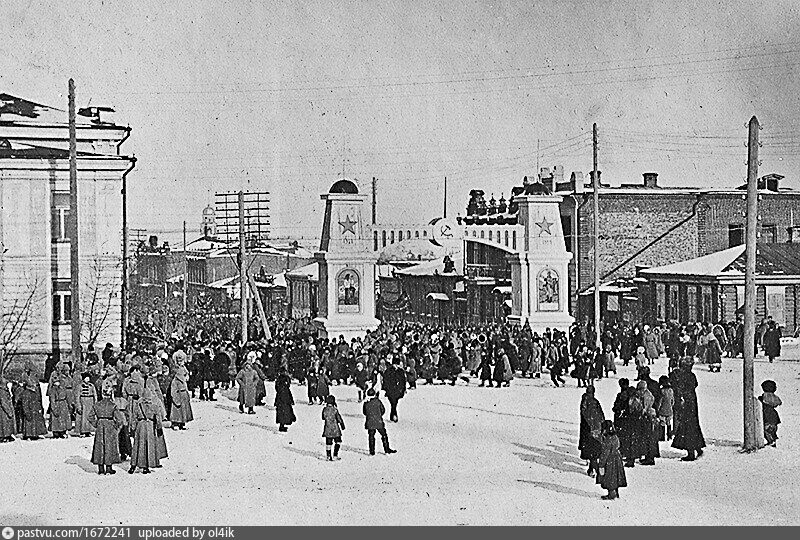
374	410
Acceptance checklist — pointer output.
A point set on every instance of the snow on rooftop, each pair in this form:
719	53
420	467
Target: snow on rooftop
713	264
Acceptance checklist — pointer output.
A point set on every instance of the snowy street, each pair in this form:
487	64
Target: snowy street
466	455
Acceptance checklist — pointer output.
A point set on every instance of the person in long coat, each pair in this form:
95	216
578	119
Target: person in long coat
151	382
611	472
688	435
60	418
107	420
394	386
86	400
772	341
145	450
261	387
284	401
622	420
247	379
30	403
181	410
592	417
650	345
647	424
323	386
8	420
132	392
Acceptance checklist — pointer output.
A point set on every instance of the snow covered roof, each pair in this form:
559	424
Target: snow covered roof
310	271
278	280
225	283
433	268
438	296
771	259
611	287
713	264
205	244
411	249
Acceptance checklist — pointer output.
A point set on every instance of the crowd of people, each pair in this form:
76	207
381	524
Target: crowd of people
127	398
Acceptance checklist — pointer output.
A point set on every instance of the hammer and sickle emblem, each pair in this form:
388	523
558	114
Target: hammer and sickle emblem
445	231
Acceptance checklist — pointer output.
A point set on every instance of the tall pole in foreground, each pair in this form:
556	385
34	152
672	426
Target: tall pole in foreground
750	442
75	311
242	269
596	246
185	270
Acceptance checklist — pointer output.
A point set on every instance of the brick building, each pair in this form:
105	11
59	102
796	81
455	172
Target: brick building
646	224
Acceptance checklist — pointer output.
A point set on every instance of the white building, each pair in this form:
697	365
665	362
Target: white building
34	205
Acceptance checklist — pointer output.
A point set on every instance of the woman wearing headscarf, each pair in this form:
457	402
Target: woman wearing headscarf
589	439
647	436
181	410
247	380
284	411
688	435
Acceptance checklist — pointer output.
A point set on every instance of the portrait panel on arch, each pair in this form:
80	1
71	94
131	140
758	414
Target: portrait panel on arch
348	287
547	285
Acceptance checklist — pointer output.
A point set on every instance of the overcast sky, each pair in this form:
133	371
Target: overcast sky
286	96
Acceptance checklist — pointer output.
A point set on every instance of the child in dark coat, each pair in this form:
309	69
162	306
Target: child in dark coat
769	403
332	429
611	472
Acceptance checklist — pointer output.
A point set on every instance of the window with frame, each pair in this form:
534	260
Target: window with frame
707	304
735	234
59	216
769	233
691	300
62	302
673	303
661	301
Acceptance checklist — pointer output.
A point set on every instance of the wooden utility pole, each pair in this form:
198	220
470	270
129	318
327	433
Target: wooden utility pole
185	271
596	219
750	440
444	199
75	306
242	269
260	306
374	200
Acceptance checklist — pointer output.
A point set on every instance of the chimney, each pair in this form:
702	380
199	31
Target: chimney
546	177
577	181
558	174
599	178
650	180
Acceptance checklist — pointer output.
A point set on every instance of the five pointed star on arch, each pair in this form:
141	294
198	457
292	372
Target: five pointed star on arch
348	225
544	226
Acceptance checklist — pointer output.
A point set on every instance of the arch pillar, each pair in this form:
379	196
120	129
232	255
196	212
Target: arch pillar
346	266
539	271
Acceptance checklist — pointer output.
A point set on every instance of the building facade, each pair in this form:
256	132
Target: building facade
646	224
34	197
711	288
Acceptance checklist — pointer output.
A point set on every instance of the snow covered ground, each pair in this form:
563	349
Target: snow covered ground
466	455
